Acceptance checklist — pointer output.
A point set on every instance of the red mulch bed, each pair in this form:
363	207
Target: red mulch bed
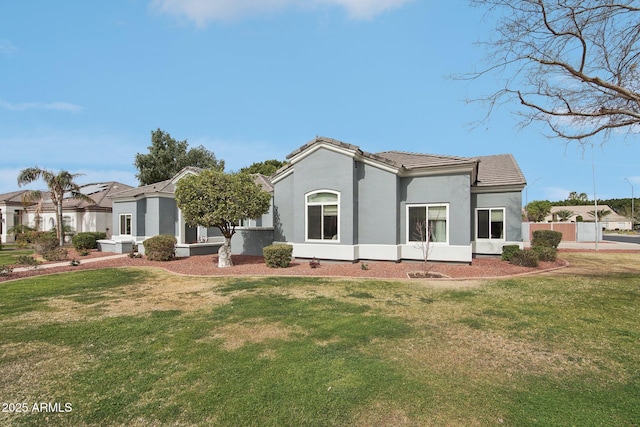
206	265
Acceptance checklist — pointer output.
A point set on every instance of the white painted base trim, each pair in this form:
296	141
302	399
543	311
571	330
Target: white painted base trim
458	253
492	247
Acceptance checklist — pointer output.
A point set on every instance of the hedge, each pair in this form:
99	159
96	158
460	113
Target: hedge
45	242
84	241
277	255
508	251
546	238
524	258
545	253
160	248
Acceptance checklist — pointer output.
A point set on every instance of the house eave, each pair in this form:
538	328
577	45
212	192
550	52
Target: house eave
507	188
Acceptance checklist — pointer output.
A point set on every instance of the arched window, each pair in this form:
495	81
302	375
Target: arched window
323	215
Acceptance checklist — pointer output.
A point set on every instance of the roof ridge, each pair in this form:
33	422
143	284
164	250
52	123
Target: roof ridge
413	153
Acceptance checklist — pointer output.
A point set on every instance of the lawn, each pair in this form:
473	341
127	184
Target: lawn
10	253
142	347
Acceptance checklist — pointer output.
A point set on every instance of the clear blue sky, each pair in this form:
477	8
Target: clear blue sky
83	84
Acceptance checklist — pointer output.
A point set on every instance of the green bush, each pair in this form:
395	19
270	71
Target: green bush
45	242
546	238
524	258
84	241
160	248
545	254
27	260
58	254
278	255
508	251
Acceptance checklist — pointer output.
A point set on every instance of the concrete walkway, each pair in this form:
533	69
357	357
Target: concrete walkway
66	263
602	245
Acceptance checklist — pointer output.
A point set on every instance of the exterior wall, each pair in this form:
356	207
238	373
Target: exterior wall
373	210
283	210
324	170
128	207
453	190
377	211
250	241
512	203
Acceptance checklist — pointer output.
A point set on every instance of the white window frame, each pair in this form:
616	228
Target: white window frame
504	223
411	228
130	224
306	216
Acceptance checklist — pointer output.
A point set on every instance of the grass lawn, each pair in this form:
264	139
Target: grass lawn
9	253
142	347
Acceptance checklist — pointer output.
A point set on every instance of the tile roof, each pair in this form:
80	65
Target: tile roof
417	160
496	170
499	169
14	196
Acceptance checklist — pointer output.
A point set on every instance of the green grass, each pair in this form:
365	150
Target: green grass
9	253
136	347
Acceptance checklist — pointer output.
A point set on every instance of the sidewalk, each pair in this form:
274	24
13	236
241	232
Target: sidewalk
66	263
590	246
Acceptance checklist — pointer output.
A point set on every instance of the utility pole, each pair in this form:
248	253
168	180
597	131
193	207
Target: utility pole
633	228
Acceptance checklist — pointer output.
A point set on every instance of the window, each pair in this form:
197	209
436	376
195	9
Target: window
490	223
323	216
427	220
125	224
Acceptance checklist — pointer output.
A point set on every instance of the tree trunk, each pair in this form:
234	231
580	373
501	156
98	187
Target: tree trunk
60	227
224	254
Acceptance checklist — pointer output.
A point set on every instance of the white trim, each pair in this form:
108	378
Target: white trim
120	233
322	204
426	206
504	224
451	253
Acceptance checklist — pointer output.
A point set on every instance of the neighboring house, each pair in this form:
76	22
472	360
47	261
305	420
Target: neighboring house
79	215
335	201
612	221
150	210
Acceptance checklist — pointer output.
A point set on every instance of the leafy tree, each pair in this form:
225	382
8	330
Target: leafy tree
576	199
61	186
167	157
602	213
538	210
564	214
217	199
571	64
268	167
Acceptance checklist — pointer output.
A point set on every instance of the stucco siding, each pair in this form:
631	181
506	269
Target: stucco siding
377	208
511	201
324	170
453	190
283	209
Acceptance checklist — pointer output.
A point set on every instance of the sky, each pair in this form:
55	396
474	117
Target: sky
83	84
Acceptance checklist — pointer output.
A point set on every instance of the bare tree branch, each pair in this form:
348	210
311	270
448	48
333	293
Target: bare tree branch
571	64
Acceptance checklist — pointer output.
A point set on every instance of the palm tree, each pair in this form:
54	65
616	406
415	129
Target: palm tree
34	198
60	185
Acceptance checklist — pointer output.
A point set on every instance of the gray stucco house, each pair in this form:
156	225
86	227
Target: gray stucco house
150	210
334	201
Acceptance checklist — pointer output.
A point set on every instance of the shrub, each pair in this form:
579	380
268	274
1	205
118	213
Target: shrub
160	248
314	263
58	254
84	241
5	271
45	242
27	260
508	251
546	238
277	255
524	258
546	254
